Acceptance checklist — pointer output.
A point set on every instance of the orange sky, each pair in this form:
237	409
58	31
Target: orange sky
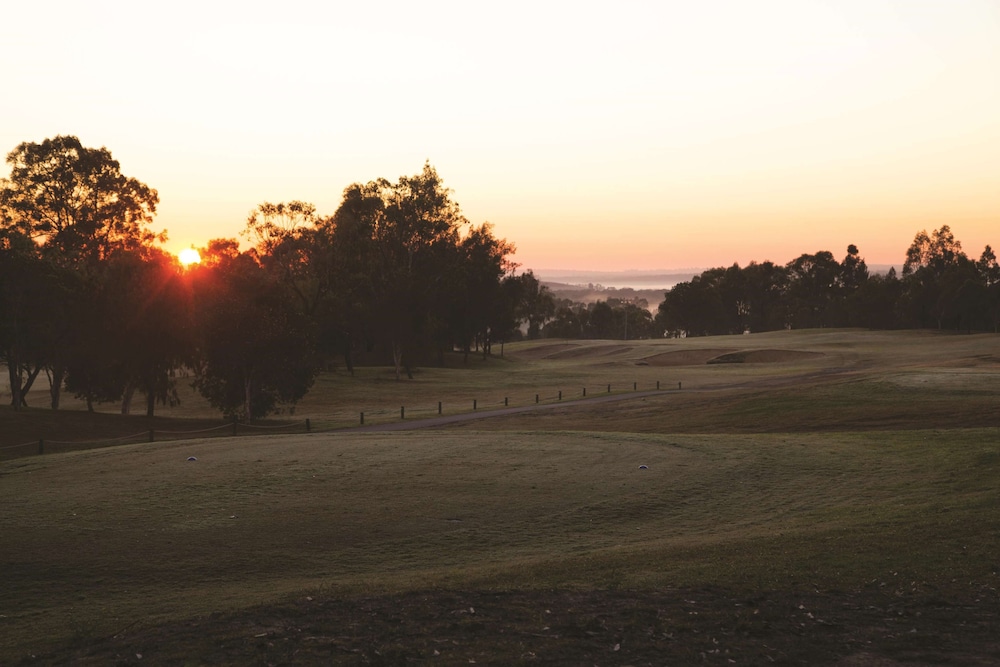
644	135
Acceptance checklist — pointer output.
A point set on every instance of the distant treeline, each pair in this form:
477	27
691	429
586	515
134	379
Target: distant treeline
940	288
87	297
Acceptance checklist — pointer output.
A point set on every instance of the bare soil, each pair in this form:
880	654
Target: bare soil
883	625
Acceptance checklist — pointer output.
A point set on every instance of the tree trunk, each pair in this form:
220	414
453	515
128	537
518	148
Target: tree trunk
247	394
55	385
397	358
14	372
347	355
127	398
26	387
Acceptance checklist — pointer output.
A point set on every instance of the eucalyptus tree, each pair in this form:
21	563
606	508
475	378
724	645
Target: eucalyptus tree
75	202
935	270
78	208
254	347
398	240
483	261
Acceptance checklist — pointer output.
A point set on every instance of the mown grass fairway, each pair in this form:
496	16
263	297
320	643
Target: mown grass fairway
842	508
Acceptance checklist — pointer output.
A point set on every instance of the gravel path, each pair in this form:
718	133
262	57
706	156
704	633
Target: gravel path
411	425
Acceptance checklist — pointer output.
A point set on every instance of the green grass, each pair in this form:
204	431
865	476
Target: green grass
139	532
872	464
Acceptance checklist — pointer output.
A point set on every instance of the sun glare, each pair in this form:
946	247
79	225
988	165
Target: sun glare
189	256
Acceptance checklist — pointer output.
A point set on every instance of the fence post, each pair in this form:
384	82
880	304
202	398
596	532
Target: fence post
234	425
657	385
151	435
505	401
678	385
362	419
473	405
41	446
439	407
560	394
402	412
609	388
635	385
308	426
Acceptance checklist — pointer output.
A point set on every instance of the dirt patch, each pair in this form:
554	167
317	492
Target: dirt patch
763	357
590	351
977	361
699	625
685	357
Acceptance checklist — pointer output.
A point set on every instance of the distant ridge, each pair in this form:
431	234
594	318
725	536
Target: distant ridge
639	279
636	279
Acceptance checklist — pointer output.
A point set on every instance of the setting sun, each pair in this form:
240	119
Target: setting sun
189	256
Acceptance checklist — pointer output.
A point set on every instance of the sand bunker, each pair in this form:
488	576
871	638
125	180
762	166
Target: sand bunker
763	357
685	357
589	351
722	356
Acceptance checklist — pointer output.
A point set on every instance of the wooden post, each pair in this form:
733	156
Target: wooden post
234	425
505	401
609	388
560	394
402	412
473	405
41	446
678	385
657	385
362	419
439	407
308	426
151	435
635	385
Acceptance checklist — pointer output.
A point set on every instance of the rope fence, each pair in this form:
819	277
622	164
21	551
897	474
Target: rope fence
339	420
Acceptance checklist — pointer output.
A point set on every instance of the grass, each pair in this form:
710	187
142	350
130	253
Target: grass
863	479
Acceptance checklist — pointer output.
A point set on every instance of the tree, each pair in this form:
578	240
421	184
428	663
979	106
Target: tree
401	238
853	270
937	252
695	307
78	209
255	349
483	260
812	291
934	272
75	202
988	267
537	304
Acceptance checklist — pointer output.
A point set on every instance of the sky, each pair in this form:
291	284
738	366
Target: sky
603	136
